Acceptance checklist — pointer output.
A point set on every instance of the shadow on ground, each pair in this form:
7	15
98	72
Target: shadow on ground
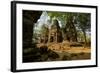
44	54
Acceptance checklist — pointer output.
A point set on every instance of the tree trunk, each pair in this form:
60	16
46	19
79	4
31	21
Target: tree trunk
71	31
85	37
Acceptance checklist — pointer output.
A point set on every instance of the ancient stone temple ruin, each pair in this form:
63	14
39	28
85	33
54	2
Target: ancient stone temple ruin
54	33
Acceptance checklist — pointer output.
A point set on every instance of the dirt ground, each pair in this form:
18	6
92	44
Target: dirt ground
65	47
67	52
56	52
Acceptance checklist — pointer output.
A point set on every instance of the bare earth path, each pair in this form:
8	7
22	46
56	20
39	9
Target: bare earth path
64	47
69	53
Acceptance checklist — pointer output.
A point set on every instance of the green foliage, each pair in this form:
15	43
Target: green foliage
62	16
83	21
